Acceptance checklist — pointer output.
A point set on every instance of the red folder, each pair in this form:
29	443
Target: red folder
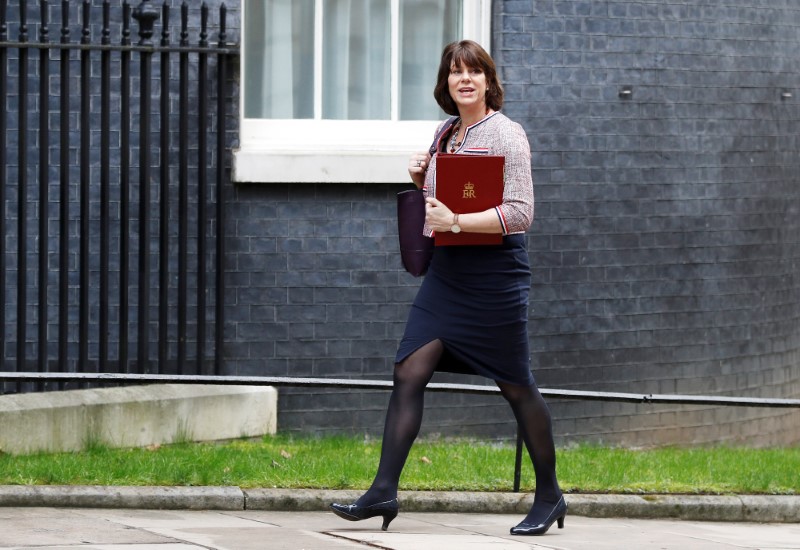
465	184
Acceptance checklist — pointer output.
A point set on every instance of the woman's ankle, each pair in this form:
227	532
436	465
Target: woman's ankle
374	495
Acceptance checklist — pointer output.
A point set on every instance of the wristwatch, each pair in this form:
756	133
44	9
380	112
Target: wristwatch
455	228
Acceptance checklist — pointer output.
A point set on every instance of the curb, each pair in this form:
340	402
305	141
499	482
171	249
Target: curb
101	496
739	508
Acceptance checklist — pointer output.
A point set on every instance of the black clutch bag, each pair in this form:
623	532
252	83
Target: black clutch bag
415	248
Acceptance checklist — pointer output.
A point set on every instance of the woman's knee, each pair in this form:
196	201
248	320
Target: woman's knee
514	393
420	365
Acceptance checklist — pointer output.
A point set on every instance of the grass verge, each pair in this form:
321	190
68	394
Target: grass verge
440	465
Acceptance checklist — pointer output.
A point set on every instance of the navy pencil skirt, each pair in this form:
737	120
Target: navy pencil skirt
475	300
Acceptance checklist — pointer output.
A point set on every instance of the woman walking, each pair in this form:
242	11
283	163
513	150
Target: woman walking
470	313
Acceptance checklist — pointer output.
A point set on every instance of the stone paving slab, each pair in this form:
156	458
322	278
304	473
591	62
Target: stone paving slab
43	527
132	529
737	508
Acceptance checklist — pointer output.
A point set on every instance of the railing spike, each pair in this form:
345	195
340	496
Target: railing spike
146	15
44	30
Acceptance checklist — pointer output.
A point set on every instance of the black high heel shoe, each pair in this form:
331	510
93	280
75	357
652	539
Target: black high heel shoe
354	512
558	513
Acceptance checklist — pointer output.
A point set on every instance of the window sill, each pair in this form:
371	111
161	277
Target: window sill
328	151
271	166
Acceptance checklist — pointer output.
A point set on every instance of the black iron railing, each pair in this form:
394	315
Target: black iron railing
101	189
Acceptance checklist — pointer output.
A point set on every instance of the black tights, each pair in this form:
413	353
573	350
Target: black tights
533	418
404	418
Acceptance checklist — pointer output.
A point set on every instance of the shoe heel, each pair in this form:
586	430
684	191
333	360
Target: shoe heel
561	522
387	519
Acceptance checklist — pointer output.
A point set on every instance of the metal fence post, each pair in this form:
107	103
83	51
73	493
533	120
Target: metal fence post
219	317
44	183
146	15
124	188
3	180
63	202
22	191
85	190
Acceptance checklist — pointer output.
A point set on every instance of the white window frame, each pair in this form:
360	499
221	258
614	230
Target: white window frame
357	151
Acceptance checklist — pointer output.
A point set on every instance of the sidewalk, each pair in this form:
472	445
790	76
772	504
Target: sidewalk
104	529
228	518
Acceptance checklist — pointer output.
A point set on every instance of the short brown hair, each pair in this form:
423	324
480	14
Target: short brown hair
474	56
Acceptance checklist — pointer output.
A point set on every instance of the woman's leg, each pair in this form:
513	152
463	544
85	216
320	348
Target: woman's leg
403	420
533	417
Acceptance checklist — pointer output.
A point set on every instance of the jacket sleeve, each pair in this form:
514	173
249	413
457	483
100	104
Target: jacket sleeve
516	211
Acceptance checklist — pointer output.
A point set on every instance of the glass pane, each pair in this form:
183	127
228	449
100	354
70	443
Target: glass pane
356	61
426	26
279	59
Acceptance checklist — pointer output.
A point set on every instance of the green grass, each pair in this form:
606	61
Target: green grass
463	465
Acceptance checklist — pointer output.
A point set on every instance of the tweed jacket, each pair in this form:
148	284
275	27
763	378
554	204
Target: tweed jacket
497	135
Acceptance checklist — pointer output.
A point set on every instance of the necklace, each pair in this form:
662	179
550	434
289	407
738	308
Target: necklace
453	143
456	144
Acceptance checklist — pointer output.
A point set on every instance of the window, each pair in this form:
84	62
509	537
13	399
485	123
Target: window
341	90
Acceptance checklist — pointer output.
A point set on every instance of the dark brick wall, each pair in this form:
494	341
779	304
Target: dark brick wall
665	244
665	240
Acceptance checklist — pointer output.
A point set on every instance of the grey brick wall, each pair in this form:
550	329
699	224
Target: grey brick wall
665	237
665	244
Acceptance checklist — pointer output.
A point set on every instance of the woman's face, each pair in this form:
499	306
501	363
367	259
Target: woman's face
467	86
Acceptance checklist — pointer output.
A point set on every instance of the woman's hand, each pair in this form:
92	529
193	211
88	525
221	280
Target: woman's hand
417	166
437	215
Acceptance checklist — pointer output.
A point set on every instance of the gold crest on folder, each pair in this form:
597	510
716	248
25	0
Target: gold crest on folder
469	190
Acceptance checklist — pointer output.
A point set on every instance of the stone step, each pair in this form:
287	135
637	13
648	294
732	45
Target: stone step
134	416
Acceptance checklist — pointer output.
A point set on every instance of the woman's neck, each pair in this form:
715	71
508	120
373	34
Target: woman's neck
472	116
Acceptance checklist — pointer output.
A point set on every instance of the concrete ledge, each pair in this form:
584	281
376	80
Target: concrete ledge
92	496
710	507
134	416
295	500
760	508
